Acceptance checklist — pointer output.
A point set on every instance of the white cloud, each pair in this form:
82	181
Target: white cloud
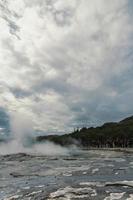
63	62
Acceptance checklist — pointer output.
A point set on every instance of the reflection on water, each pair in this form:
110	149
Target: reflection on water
96	175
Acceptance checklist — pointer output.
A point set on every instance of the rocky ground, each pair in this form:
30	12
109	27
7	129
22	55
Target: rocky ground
87	175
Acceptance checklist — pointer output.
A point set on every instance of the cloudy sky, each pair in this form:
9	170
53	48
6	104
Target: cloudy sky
66	63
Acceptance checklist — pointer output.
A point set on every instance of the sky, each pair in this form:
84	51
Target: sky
65	63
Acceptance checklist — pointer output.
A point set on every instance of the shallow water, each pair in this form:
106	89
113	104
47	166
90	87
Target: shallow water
82	175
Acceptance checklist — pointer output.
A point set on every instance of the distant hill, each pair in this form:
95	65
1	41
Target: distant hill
110	135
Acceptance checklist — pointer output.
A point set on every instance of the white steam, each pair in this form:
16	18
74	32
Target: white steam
47	148
22	129
21	126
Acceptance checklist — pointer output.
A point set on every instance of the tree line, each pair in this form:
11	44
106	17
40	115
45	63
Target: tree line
109	135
